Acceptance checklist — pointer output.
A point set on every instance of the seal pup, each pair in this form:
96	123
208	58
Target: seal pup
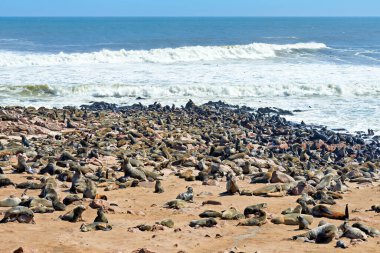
95	226
231	184
101	217
187	196
303	223
158	187
74	215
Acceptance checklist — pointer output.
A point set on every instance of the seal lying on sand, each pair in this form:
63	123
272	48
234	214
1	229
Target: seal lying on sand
321	234
187	196
351	232
292	219
320	211
19	213
260	216
12	201
207	222
95	226
366	229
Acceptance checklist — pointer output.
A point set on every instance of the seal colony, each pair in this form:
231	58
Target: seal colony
69	163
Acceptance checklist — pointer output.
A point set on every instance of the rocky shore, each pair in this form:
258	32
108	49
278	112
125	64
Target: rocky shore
200	178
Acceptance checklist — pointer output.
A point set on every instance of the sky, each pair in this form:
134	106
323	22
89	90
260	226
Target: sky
189	8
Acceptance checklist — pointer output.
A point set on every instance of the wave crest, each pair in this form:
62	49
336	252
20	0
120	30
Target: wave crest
252	51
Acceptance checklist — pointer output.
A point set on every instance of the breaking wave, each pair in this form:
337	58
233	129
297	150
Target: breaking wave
252	51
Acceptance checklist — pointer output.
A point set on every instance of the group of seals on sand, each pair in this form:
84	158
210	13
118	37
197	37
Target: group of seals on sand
211	143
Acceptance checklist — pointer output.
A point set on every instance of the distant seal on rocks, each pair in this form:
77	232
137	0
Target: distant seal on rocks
74	215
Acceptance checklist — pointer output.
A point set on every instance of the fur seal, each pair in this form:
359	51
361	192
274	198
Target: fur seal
210	214
5	182
74	215
95	226
320	211
231	184
130	171
187	196
232	214
260	216
207	222
12	201
303	223
158	187
175	204
352	232
21	214
367	229
101	217
292	219
321	234
90	190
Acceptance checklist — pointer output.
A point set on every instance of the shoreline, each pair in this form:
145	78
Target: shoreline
123	150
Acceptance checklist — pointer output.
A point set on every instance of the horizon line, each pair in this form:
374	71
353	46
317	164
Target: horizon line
185	16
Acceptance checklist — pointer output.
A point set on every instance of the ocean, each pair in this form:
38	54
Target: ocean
327	70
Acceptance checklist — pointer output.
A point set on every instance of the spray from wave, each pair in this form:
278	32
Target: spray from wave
252	51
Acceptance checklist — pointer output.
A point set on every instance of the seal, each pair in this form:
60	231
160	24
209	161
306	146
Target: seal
20	214
12	201
206	222
351	232
74	215
320	211
292	219
101	217
231	184
95	226
90	190
321	234
367	229
303	223
260	216
158	187
187	196
130	171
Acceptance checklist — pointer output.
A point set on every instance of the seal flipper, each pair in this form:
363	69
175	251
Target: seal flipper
347	213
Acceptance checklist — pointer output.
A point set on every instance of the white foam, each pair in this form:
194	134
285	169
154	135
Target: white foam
167	55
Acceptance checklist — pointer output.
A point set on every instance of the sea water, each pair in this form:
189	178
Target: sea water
326	69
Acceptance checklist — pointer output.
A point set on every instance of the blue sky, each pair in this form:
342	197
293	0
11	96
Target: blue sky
189	7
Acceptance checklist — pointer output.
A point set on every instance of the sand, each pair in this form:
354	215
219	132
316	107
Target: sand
140	205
